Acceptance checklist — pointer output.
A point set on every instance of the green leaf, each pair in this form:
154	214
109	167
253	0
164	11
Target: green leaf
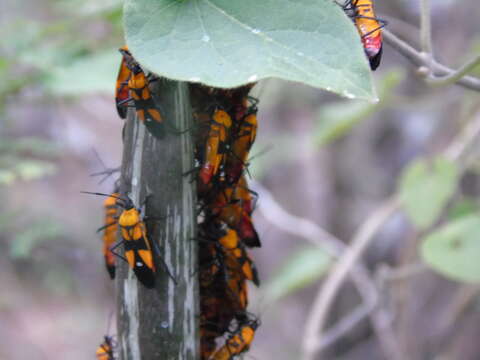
7	177
95	73
425	188
38	146
454	249
225	43
34	169
302	269
26	240
466	206
337	119
88	7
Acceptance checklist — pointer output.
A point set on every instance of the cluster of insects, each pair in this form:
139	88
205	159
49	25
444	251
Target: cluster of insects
225	129
227	126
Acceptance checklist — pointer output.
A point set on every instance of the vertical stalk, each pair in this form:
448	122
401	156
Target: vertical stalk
426	27
161	323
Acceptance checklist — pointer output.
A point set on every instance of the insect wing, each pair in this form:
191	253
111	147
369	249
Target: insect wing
121	89
110	232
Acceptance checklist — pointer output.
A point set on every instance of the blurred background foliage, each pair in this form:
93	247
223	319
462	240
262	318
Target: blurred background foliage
325	159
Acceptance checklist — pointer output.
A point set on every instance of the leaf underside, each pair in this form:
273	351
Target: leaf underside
225	43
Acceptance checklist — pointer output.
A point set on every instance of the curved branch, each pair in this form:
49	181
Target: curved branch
456	151
421	60
454	76
426	27
365	286
332	284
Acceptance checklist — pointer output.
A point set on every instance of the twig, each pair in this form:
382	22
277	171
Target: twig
461	300
459	147
386	273
426	27
344	325
467	139
420	60
318	316
427	49
295	225
314	234
454	76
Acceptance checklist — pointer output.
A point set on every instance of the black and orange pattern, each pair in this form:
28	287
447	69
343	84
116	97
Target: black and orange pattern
132	86
227	126
110	229
225	130
238	342
369	27
138	250
105	349
137	246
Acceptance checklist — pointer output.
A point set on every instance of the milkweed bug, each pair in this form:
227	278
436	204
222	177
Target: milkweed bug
215	147
224	269
137	246
105	350
122	95
241	145
223	250
237	258
369	27
228	208
138	86
138	251
238	342
110	229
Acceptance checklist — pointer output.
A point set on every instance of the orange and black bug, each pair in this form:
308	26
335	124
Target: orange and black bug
230	209
238	342
225	252
369	28
241	144
243	195
141	95
122	95
138	251
237	259
105	350
214	151
225	268
110	231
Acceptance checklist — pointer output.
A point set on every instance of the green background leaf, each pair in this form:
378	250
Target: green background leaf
26	240
454	249
226	43
425	188
301	269
335	120
95	73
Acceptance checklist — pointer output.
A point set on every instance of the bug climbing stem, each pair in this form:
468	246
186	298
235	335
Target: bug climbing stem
161	322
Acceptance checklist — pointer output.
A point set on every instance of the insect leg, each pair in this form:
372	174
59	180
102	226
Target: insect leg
114	246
